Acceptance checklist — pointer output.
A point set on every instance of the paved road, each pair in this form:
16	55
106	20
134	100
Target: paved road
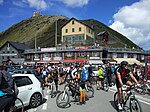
101	102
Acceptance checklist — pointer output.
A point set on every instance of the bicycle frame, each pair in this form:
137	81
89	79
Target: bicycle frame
128	94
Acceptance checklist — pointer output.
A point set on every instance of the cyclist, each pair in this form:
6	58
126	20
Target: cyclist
135	71
123	75
54	76
109	73
83	76
100	78
7	99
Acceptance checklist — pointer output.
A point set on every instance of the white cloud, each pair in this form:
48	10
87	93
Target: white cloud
1	2
75	3
134	21
20	3
38	4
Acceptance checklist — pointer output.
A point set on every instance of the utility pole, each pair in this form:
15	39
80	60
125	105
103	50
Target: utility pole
35	42
56	33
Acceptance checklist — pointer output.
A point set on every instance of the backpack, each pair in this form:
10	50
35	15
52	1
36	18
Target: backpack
84	75
104	73
10	85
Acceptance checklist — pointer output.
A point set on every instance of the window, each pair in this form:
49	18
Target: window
3	57
56	54
7	51
22	81
13	51
95	54
79	28
13	57
82	54
66	30
72	29
80	37
72	22
3	51
69	54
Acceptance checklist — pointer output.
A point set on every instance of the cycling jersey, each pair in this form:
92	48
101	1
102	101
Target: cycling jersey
123	72
54	74
100	72
124	76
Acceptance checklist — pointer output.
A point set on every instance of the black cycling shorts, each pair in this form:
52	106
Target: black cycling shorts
82	84
118	85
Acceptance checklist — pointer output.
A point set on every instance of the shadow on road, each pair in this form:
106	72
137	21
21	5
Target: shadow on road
113	105
55	94
28	107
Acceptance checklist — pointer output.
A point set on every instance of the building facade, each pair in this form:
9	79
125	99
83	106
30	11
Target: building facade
81	54
75	32
12	50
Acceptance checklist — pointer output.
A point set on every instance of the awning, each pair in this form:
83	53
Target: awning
95	62
69	61
129	60
17	60
80	61
41	62
55	61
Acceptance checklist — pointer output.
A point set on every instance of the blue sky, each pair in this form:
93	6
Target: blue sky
129	17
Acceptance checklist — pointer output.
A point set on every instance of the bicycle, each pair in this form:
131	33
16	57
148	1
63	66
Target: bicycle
126	96
89	90
104	84
21	105
72	89
18	105
63	97
143	87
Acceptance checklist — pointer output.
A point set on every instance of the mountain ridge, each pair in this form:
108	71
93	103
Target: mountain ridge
43	29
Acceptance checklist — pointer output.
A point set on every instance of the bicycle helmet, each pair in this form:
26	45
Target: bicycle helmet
124	63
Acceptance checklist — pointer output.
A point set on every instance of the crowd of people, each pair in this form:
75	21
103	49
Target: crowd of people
123	74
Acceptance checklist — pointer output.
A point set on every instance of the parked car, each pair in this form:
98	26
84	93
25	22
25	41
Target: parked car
30	71
30	89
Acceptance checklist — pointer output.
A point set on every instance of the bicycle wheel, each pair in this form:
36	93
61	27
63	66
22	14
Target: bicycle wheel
52	90
62	99
68	89
18	105
135	105
89	91
115	100
106	85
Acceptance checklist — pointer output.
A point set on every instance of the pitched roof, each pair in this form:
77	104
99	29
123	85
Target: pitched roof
17	45
80	21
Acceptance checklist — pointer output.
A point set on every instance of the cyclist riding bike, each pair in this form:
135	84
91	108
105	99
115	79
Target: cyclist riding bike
123	75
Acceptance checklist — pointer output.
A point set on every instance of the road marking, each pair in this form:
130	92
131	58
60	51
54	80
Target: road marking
144	102
32	110
48	91
44	106
137	98
46	97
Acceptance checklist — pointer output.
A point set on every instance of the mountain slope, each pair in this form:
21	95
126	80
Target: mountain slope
43	29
